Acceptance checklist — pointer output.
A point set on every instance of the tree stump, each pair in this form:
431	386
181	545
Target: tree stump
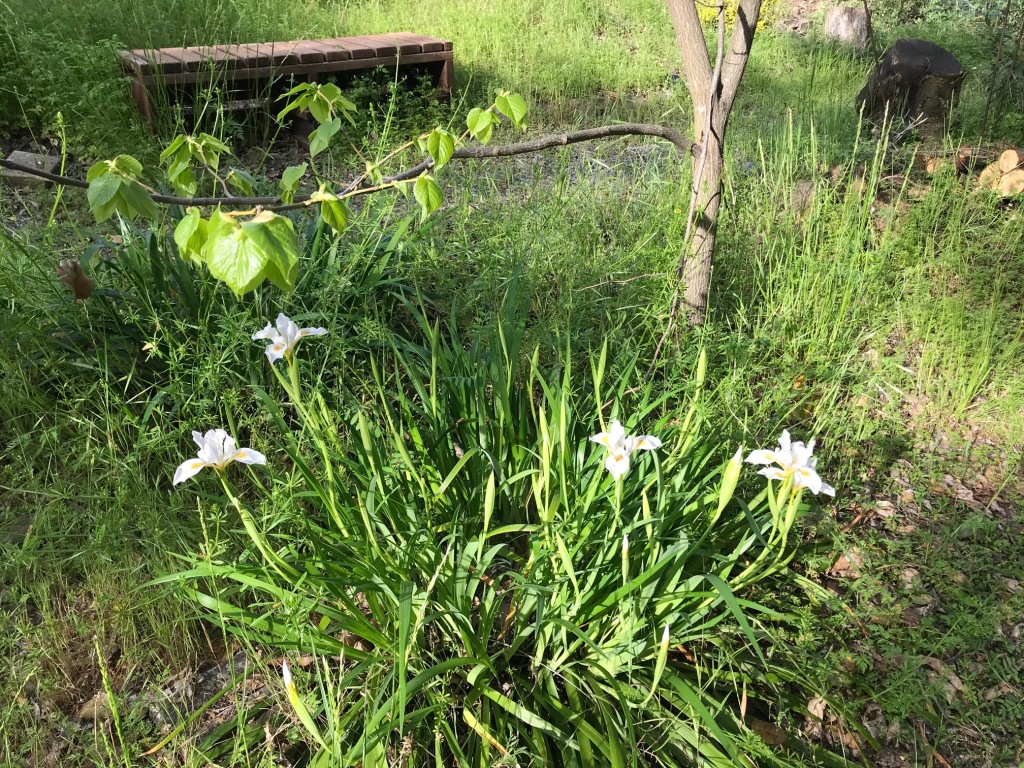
849	26
915	80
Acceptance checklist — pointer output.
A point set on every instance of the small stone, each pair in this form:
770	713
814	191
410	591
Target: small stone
22	180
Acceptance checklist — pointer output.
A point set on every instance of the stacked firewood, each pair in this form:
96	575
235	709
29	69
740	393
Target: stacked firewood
1006	175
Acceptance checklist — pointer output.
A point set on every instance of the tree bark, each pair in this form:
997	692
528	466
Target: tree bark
713	93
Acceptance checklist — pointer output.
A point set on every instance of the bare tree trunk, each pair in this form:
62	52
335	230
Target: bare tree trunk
713	92
698	250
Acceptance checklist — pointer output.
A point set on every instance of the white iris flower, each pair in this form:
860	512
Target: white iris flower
620	446
284	337
217	449
794	460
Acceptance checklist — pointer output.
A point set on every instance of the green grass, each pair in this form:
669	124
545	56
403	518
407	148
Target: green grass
886	322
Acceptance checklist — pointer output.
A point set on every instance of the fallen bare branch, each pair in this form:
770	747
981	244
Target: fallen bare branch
463	153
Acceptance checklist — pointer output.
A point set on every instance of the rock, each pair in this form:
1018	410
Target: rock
20	179
917	80
849	26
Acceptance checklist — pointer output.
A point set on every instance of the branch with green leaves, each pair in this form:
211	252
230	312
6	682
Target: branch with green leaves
243	248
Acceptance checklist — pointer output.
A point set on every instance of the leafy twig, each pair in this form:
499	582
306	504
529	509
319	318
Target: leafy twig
462	153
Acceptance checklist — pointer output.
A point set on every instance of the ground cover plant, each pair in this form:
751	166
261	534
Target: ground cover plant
469	359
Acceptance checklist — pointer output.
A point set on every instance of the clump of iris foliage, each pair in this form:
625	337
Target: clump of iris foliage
478	577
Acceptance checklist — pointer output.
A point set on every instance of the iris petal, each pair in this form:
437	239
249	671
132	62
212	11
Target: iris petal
186	470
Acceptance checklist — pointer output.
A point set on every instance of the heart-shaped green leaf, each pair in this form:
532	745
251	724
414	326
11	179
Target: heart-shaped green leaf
190	235
441	146
427	194
290	181
320	139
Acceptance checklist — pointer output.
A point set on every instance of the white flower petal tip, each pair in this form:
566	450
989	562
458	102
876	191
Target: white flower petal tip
217	449
761	457
266	333
792	459
186	470
249	456
646	443
620	446
772	473
283	336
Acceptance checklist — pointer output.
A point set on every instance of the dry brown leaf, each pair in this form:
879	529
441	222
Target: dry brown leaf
1011	585
885	509
770	733
816	716
910	577
997	691
846	566
70	273
956	682
96	709
873	720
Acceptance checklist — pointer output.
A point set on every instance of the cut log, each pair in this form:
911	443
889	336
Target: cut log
1011	183
969	158
990	176
1011	159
